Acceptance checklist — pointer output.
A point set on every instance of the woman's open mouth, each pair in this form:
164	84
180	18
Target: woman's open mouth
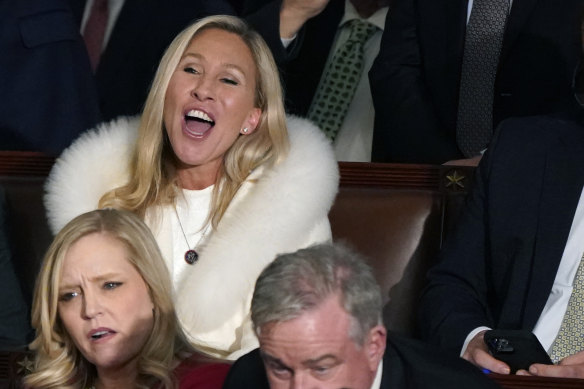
198	123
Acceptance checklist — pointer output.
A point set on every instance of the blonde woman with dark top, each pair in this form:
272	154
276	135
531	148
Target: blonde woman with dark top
104	315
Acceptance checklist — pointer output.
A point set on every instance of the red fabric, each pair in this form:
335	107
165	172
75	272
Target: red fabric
94	32
196	375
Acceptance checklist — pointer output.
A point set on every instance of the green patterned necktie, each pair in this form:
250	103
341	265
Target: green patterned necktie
570	339
337	87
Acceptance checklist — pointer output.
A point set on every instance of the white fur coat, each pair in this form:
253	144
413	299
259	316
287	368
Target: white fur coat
285	209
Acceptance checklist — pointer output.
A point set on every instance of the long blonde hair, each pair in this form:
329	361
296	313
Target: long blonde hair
58	363
153	178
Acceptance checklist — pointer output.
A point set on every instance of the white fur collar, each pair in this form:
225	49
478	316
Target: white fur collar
98	161
95	163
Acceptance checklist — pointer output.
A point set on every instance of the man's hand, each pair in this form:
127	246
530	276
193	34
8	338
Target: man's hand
477	353
569	367
294	13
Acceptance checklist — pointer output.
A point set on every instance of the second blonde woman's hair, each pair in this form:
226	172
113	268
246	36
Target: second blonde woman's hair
152	172
58	363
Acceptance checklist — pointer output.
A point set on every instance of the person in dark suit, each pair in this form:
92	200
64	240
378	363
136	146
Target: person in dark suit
303	62
317	314
415	79
15	330
142	31
48	90
46	86
314	31
512	260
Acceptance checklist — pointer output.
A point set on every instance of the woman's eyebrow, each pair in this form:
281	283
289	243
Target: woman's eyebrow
98	278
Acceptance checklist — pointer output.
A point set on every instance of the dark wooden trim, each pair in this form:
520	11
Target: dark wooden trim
425	177
25	163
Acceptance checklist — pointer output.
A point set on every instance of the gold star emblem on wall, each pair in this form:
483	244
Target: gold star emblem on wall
26	366
455	180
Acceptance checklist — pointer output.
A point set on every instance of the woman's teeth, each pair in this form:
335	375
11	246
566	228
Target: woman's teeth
196	114
99	334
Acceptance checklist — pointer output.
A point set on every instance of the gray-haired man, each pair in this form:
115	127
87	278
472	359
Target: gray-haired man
317	315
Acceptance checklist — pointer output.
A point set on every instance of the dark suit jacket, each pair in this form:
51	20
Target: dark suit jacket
415	78
140	36
407	363
498	268
301	66
15	330
47	93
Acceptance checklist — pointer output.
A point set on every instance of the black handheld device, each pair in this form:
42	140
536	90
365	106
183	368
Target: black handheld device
517	348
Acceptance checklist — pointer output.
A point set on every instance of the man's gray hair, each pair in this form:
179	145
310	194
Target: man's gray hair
298	282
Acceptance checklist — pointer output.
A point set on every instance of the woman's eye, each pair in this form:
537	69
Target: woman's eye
68	296
190	69
111	285
229	81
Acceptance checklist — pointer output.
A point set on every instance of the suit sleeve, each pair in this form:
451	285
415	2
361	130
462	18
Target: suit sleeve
406	124
455	300
264	17
47	88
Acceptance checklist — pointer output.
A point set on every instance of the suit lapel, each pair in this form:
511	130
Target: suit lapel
520	13
134	17
447	19
392	375
78	6
128	30
562	186
456	11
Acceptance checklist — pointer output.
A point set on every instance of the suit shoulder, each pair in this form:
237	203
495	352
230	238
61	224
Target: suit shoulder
247	372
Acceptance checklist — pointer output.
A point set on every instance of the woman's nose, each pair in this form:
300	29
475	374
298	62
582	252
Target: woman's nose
203	89
91	305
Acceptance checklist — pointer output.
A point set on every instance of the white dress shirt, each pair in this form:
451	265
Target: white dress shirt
377	381
549	322
470	3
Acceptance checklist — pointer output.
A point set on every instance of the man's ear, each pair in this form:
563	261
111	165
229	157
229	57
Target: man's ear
251	122
375	345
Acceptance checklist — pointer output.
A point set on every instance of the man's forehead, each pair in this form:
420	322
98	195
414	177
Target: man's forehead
319	333
327	320
310	360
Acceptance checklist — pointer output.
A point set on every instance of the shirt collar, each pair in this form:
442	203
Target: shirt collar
377	380
377	19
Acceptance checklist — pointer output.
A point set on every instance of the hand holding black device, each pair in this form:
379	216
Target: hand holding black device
517	348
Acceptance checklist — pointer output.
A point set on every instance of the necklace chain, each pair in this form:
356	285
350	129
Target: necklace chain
191	255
